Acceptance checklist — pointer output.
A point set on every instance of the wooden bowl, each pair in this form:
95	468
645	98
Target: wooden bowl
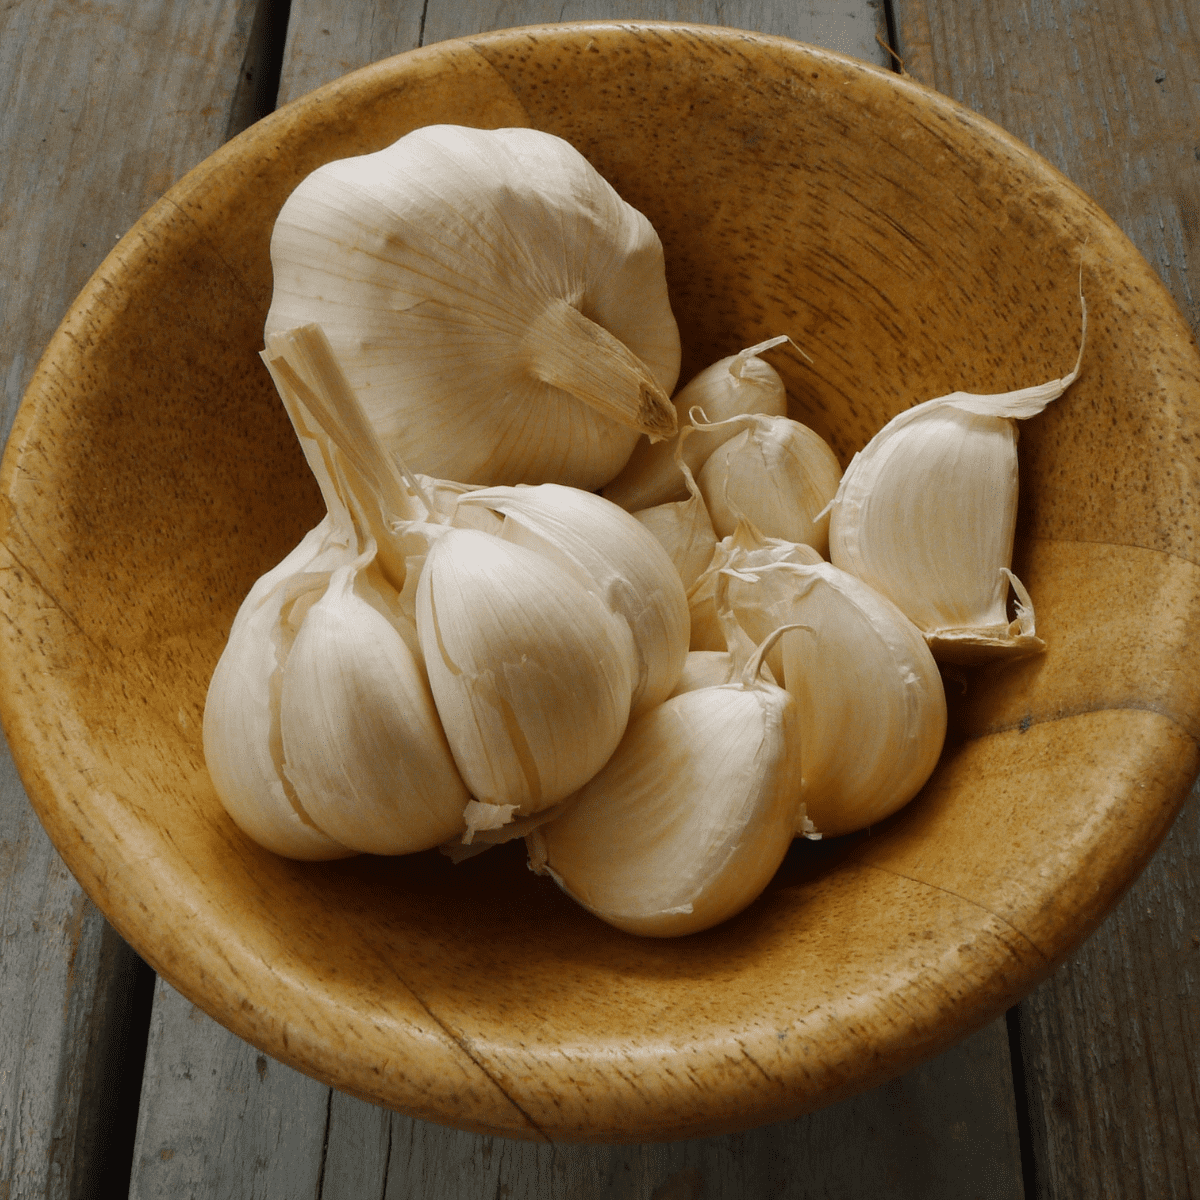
913	249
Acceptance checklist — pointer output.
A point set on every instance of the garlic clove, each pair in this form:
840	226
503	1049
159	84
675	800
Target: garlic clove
363	745
743	549
741	383
531	673
926	514
776	473
705	668
689	819
683	527
243	746
442	269
871	701
615	558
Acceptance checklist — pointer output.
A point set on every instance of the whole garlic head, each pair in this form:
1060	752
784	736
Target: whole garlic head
500	312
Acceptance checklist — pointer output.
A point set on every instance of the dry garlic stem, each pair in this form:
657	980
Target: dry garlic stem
872	706
500	312
690	818
741	383
531	672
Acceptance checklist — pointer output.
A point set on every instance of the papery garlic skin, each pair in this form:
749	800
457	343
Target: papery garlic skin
776	473
688	821
741	383
531	673
243	746
491	299
617	559
363	745
926	514
705	668
743	549
871	701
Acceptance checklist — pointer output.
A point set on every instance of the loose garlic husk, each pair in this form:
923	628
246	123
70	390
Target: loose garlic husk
741	383
926	514
776	473
872	706
499	310
610	553
531	672
690	818
743	549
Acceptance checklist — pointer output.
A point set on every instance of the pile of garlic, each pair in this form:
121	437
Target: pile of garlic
658	687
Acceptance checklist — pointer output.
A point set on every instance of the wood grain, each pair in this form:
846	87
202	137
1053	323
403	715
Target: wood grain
1111	96
326	39
136	95
220	1119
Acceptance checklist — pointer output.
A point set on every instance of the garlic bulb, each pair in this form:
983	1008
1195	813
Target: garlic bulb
776	473
741	383
499	311
531	673
872	706
612	556
689	819
926	514
362	743
743	549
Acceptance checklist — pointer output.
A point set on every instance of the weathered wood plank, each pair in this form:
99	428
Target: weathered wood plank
327	38
220	1119
1111	96
103	108
947	1129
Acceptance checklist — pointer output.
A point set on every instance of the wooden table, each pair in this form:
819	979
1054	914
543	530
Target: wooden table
110	1080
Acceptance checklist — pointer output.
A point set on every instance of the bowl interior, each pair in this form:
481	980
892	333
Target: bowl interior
912	249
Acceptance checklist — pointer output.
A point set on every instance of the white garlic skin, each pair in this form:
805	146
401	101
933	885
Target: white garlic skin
689	819
743	550
532	675
616	559
428	263
870	697
740	383
243	746
363	746
778	474
926	513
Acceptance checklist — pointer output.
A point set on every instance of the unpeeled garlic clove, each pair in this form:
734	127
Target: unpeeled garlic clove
926	514
683	527
363	746
243	747
691	816
776	473
615	558
531	673
741	383
872	706
743	549
500	311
